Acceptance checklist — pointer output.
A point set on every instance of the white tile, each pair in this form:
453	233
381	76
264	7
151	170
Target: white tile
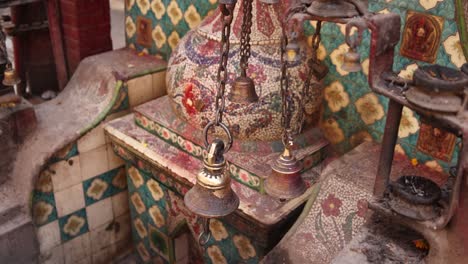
99	213
52	256
114	160
48	236
69	200
140	90
159	84
124	231
92	139
102	237
120	203
65	173
94	162
78	250
104	256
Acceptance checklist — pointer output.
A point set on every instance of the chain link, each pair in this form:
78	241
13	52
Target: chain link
227	11
245	36
310	74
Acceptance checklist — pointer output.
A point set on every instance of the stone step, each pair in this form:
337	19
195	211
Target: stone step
16	243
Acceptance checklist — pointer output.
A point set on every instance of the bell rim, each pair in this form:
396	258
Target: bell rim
234	204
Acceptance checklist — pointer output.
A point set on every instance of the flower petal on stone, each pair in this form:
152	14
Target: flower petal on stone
332	131
216	255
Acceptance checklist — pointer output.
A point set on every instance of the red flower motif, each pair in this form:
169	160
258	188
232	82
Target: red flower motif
257	73
189	99
331	205
362	208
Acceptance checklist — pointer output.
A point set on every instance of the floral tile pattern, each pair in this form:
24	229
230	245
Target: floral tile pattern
73	225
105	185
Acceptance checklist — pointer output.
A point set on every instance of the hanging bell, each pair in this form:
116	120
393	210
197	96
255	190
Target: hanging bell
10	78
243	91
352	61
293	52
212	195
286	181
332	8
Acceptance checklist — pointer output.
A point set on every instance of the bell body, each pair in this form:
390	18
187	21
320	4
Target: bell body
212	196
332	8
193	68
351	61
285	182
243	91
10	77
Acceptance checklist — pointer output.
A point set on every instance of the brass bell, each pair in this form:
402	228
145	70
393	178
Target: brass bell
243	91
286	181
351	61
332	8
293	52
212	195
10	78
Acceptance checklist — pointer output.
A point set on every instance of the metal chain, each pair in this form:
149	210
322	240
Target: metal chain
245	36
227	11
310	73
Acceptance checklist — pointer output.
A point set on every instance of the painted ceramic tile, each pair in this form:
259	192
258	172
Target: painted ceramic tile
73	225
104	185
421	36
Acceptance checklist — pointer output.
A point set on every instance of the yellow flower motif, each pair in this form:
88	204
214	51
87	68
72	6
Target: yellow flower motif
140	228
173	39
218	230
174	12
243	245
144	6
73	225
337	58
129	4
365	67
159	36
157	216
332	131
408	72
97	189
155	189
321	51
138	203
399	149
44	183
384	11
414	162
192	17
216	255
408	124
135	176
158	8
143	252
434	165
369	108
454	48
360	137
428	4
213	2
343	29
130	27
336	96
41	212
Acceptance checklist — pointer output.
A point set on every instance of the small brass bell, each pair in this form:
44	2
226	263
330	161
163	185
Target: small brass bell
10	78
243	91
293	52
352	61
286	181
212	195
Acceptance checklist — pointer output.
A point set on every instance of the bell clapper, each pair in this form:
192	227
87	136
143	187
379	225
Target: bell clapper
205	235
